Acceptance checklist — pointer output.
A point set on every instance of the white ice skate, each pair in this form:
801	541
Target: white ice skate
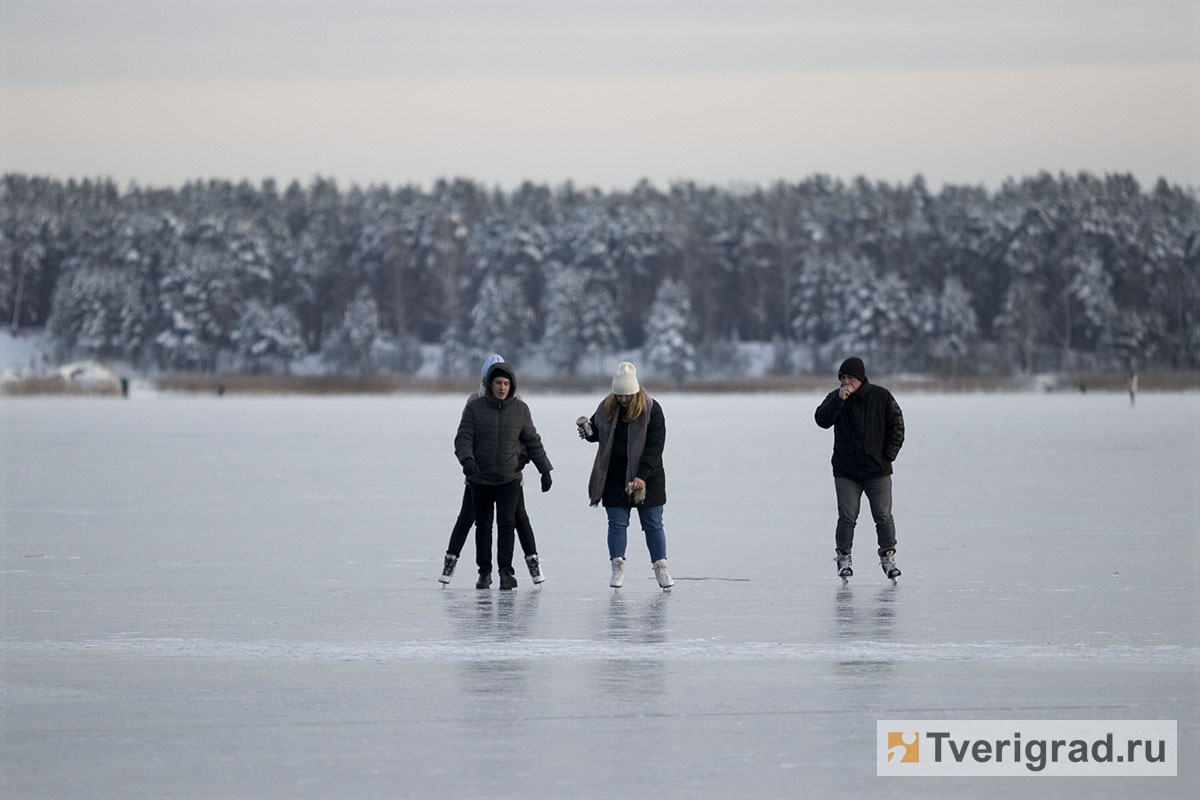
535	569
664	578
618	573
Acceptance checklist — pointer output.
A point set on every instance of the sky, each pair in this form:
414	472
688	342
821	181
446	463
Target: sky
604	94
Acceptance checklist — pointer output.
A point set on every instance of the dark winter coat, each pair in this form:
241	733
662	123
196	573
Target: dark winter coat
497	433
868	431
623	462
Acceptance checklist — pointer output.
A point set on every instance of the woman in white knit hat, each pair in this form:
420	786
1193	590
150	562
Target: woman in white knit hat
628	470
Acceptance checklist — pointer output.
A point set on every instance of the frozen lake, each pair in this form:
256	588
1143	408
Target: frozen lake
237	597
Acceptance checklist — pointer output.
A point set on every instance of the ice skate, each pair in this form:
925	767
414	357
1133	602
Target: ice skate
448	565
535	569
887	561
508	581
618	573
845	571
664	578
485	581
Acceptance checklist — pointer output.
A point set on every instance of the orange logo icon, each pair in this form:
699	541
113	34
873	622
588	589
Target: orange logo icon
903	747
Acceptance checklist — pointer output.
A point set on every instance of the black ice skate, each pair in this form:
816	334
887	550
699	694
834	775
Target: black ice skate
845	571
887	561
448	569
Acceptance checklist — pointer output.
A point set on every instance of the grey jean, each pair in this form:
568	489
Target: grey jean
849	498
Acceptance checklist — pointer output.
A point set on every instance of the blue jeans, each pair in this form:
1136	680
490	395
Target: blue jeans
849	497
652	524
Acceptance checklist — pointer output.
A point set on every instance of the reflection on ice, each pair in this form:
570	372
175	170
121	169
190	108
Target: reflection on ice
640	620
486	616
873	624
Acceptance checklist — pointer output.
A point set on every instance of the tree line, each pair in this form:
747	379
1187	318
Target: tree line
1046	272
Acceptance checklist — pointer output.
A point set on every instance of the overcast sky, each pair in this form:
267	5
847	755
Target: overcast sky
601	93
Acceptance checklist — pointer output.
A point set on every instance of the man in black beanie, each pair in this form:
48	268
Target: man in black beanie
868	431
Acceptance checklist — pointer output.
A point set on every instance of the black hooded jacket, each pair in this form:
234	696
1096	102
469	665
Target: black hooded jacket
868	431
497	433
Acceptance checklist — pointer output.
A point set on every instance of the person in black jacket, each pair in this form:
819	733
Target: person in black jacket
628	470
466	515
495	434
868	432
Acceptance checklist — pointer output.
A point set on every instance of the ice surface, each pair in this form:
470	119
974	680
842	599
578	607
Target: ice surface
237	597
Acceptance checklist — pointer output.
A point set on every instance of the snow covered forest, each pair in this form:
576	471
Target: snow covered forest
1045	273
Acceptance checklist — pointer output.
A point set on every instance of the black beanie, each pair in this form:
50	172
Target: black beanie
853	367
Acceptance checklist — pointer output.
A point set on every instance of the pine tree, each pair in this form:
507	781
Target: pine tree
360	345
561	342
348	347
668	348
267	340
501	320
948	325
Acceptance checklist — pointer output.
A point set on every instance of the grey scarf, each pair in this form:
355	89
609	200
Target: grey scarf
637	443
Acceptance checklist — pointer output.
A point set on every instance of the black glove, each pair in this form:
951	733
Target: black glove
546	481
469	467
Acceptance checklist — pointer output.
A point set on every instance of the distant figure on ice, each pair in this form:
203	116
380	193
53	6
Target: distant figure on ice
466	515
1133	382
628	470
495	430
868	431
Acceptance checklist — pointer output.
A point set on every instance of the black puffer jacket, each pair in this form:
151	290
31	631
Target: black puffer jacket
497	433
868	431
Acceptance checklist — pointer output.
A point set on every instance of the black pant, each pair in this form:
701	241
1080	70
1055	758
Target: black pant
502	500
466	518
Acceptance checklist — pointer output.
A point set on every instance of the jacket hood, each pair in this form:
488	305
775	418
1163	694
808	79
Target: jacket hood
505	369
489	362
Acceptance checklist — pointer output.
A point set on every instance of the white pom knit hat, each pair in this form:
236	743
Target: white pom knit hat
625	381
